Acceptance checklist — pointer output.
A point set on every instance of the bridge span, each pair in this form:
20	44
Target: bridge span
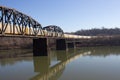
14	23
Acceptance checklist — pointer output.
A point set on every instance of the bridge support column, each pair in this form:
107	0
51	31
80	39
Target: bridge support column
61	44
71	45
40	47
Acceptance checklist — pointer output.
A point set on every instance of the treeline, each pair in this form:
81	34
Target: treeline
99	32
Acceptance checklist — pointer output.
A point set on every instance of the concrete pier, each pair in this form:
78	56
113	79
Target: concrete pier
71	45
40	47
61	44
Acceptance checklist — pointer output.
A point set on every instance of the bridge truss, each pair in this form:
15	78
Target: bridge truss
15	22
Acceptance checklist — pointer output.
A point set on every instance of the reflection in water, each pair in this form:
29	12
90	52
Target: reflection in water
15	53
16	68
10	57
103	51
13	61
42	65
88	63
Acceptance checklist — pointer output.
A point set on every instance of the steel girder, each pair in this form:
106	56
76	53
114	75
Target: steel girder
53	28
18	22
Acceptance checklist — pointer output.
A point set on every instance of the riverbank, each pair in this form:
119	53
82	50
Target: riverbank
100	41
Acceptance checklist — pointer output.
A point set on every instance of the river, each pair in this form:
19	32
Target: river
86	63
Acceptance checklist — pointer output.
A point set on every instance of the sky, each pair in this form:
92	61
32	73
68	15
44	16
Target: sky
70	15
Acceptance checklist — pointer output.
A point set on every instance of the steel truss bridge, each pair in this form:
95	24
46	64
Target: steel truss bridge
13	22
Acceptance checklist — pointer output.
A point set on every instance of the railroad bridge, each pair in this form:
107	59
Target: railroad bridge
17	24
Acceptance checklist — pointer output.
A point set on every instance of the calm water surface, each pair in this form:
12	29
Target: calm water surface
94	63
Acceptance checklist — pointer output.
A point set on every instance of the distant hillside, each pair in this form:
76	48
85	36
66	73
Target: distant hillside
99	32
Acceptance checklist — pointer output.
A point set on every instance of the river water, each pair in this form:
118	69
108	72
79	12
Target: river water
88	63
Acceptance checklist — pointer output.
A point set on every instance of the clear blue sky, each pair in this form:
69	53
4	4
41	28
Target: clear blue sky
70	15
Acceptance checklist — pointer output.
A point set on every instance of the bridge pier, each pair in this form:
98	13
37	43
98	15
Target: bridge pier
71	45
40	47
61	44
